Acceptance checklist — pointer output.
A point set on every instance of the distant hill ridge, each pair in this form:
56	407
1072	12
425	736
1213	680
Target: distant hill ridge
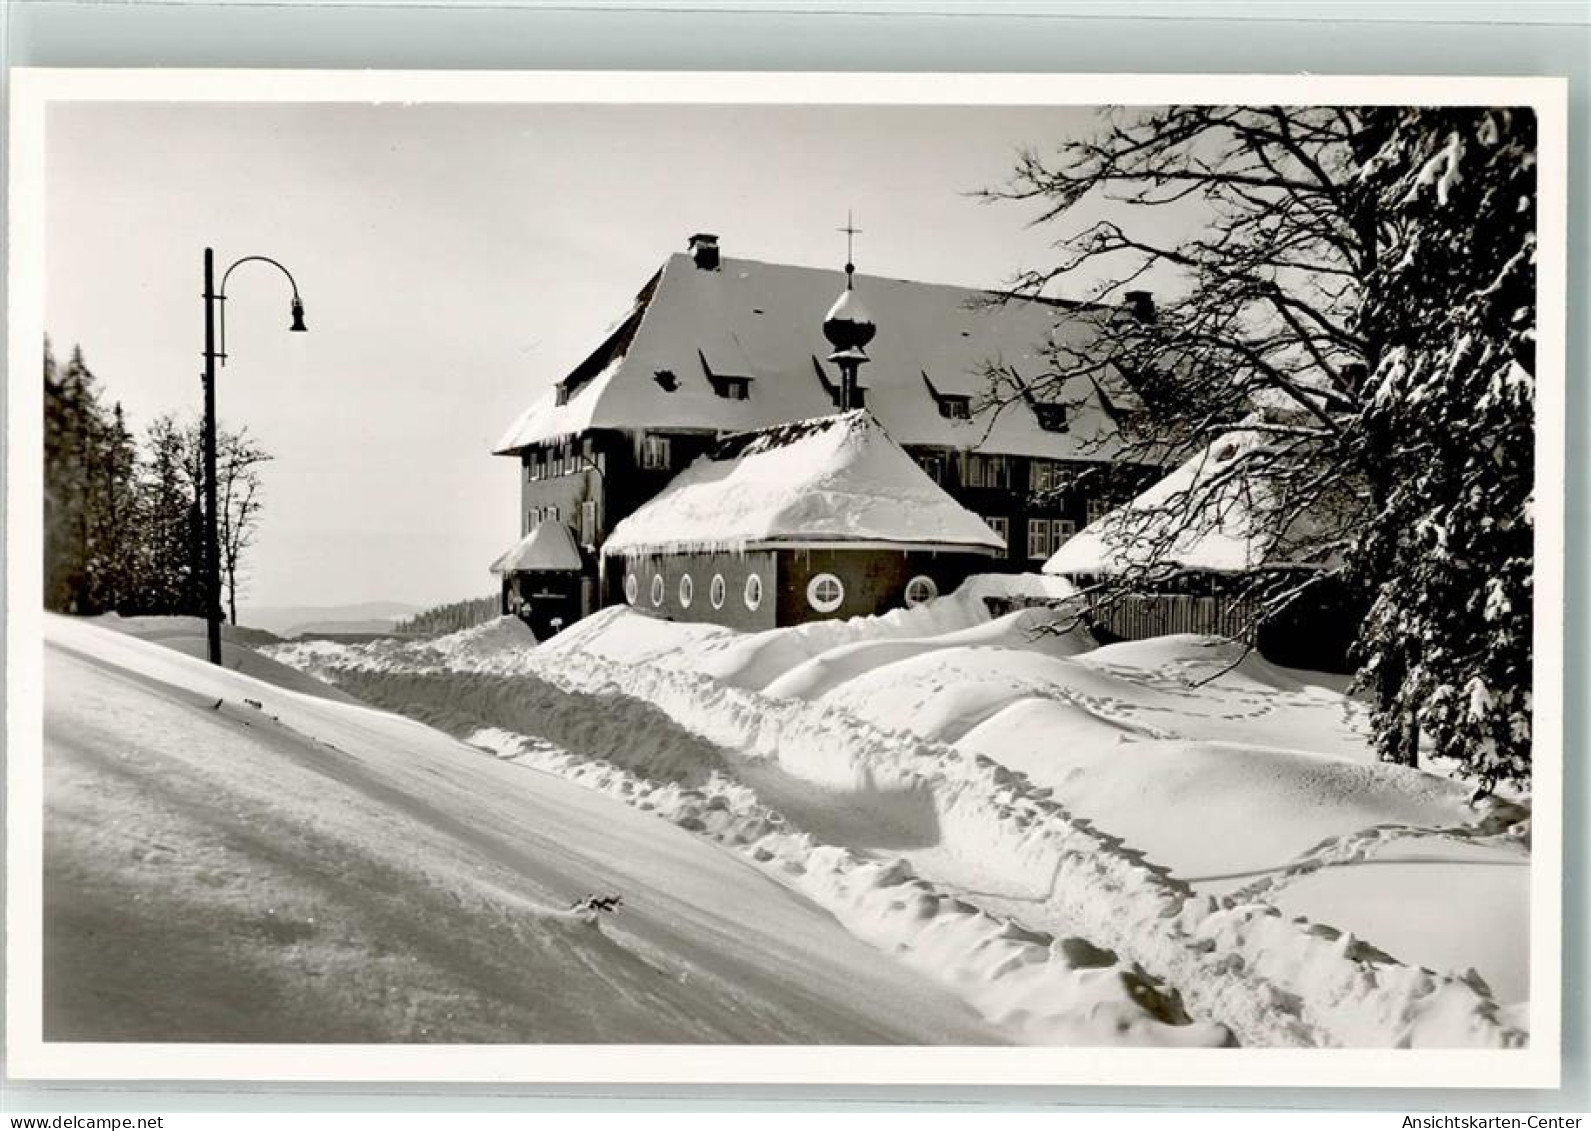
342	628
291	620
373	618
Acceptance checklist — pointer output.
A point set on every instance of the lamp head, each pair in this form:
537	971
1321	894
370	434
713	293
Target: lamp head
298	326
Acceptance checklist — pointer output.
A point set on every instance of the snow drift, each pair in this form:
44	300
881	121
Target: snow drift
867	767
226	860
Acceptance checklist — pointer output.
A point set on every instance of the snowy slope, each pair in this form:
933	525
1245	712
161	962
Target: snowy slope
188	636
302	869
1095	801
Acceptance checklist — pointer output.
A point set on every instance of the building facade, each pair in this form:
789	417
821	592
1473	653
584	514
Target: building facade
716	346
541	577
817	519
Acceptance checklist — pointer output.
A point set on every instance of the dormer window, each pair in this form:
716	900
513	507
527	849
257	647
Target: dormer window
725	385
732	388
952	406
955	407
1051	417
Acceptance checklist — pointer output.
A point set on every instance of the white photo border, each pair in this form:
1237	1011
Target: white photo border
28	1056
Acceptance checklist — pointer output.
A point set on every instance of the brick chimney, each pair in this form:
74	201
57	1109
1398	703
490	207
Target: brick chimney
1140	304
704	250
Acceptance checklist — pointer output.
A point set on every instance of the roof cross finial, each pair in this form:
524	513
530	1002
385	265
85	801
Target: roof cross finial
850	230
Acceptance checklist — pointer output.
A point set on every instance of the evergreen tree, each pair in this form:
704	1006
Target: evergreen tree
59	491
1448	421
453	617
77	487
118	536
173	580
124	527
1358	295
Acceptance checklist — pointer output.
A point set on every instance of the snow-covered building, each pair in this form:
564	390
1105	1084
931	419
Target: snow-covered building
716	346
1214	515
826	517
541	578
1199	538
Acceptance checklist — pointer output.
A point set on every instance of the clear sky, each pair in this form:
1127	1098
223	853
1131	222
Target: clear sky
454	260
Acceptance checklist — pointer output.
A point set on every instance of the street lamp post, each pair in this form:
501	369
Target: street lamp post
214	315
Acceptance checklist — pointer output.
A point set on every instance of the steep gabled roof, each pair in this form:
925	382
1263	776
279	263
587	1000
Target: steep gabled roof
548	546
691	328
1217	513
832	480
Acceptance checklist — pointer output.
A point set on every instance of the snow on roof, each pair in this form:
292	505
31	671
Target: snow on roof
832	479
1206	515
548	546
764	321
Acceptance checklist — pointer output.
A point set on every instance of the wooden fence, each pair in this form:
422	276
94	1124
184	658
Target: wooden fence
1137	617
1317	632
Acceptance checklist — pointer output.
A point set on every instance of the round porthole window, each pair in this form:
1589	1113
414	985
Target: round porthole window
753	592
687	591
632	588
919	589
657	589
825	592
715	591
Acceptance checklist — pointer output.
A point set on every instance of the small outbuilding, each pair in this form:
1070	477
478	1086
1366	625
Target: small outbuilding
540	577
820	518
1210	544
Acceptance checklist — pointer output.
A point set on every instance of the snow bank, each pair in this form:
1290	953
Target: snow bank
754	661
229	861
1273	981
1094	794
1224	769
620	633
1189	687
1216	814
1034	986
1443	902
1042	630
1041	989
493	638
